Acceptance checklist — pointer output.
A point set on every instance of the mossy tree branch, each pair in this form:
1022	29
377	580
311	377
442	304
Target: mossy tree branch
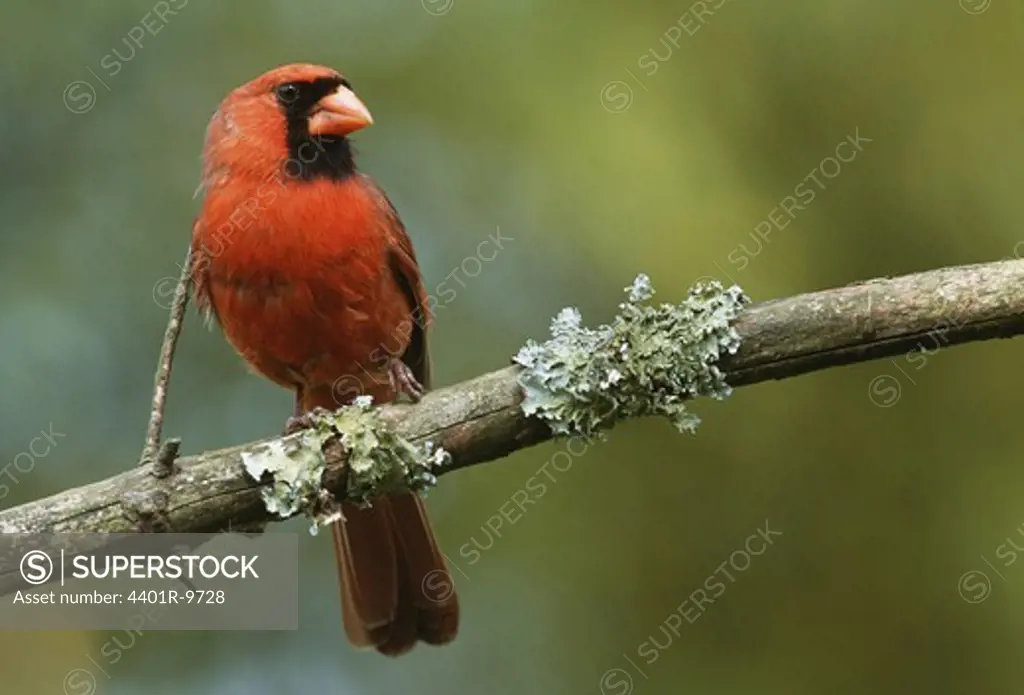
482	420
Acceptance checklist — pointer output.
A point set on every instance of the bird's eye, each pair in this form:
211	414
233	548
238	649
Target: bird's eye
287	92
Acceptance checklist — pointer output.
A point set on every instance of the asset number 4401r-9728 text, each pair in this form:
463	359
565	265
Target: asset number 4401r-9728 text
172	596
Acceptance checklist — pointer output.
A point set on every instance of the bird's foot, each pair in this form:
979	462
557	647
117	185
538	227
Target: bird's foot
403	380
304	421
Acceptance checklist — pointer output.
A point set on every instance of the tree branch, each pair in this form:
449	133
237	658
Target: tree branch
480	420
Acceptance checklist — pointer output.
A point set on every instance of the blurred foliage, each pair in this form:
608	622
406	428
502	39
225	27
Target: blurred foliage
603	139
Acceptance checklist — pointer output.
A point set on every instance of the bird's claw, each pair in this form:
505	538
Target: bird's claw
404	381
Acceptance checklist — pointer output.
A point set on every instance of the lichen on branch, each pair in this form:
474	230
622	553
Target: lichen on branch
295	468
378	461
648	361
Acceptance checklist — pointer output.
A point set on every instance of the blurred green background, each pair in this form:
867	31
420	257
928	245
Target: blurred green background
603	139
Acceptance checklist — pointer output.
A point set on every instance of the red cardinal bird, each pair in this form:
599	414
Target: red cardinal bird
306	266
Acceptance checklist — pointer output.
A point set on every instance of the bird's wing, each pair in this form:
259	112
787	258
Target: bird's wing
402	260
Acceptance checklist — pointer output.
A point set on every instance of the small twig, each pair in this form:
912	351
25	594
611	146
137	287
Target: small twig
163	466
152	451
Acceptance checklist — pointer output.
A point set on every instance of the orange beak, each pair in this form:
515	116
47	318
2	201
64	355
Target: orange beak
339	113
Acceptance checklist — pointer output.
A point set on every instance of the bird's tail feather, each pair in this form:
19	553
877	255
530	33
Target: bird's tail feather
395	586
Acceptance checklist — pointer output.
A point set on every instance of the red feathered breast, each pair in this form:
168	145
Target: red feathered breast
298	275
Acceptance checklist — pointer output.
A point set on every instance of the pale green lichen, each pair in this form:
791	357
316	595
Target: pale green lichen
379	461
649	361
295	466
